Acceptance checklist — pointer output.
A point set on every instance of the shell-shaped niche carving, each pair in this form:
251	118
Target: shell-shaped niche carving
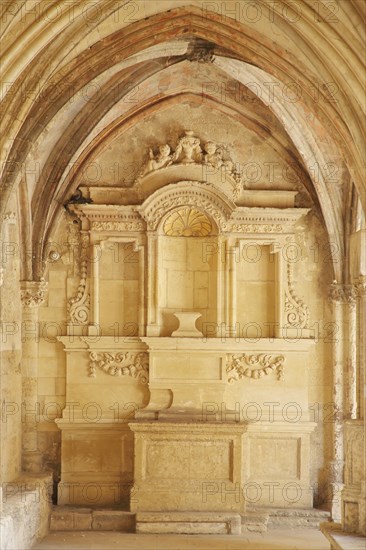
187	222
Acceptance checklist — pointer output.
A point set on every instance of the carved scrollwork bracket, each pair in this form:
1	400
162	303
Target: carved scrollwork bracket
78	307
296	311
126	363
254	366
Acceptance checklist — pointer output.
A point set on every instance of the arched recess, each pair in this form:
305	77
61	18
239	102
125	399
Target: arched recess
186	22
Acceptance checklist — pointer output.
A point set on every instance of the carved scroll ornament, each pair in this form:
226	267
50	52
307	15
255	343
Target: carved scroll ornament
254	366
121	364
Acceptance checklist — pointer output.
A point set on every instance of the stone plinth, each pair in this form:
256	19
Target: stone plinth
187	467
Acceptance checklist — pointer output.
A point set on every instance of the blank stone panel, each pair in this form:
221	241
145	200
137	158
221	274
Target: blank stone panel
275	458
119	290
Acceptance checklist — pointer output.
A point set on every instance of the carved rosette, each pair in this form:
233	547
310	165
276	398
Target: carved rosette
33	293
296	311
126	363
254	366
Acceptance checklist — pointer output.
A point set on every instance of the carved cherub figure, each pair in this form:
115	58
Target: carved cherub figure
213	154
162	159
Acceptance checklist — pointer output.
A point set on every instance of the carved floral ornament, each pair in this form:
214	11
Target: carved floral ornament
126	363
254	366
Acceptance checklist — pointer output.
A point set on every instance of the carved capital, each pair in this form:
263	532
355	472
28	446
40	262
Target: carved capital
33	293
336	292
254	366
344	294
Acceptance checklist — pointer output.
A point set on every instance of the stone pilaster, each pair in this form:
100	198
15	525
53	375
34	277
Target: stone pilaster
32	296
337	297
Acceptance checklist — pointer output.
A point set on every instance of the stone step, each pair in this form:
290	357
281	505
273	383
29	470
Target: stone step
292	517
192	523
254	522
74	518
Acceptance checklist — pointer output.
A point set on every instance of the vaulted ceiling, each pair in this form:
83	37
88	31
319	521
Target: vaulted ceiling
84	82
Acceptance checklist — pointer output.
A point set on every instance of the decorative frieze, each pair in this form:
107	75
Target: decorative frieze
126	363
116	225
253	228
254	366
33	293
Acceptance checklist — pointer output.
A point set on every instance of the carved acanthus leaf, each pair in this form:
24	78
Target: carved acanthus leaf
296	311
121	364
254	366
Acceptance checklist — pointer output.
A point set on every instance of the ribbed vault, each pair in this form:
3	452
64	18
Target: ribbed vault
72	90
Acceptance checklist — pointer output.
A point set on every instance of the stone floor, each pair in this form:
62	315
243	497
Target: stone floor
276	539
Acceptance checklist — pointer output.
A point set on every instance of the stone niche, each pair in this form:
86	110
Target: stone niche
162	338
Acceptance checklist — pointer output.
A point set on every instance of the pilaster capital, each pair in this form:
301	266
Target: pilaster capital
343	294
32	293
